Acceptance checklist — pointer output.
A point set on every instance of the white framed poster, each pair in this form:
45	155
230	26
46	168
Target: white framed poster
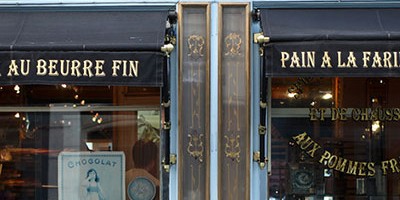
91	175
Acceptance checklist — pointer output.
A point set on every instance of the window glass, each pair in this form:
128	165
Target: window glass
40	123
335	138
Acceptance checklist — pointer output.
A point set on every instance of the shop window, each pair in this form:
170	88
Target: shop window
335	138
40	123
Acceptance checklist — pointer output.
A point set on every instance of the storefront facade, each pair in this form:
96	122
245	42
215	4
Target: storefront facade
331	74
199	100
81	92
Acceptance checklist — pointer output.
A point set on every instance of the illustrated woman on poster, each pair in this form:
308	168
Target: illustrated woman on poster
91	189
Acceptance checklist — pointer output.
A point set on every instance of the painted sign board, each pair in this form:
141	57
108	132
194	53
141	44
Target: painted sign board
91	175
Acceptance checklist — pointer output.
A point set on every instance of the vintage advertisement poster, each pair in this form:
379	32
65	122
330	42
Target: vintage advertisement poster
91	175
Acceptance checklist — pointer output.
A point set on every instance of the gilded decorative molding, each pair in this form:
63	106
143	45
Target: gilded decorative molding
196	46
195	182
233	187
232	147
233	43
233	94
195	146
234	87
193	100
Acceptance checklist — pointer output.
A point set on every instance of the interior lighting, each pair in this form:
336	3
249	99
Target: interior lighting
17	115
64	85
327	96
375	126
291	94
94	118
17	89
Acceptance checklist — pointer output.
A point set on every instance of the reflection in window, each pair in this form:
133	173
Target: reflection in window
335	138
39	122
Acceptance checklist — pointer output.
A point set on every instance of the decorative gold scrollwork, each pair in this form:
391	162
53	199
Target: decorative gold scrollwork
196	46
232	147
195	147
233	43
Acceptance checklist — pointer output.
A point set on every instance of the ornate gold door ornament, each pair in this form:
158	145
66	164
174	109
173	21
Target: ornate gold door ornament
196	46
232	147
195	146
233	43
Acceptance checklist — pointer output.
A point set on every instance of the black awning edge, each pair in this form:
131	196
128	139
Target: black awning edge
330	42
311	24
82	30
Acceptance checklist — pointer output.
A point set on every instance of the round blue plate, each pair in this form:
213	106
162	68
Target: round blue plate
141	188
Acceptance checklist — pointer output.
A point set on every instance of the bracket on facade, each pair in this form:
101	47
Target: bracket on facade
167	48
257	158
172	161
169	159
256	14
259	38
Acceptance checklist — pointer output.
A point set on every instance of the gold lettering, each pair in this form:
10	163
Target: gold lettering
313	116
75	68
322	112
360	114
377	60
364	114
352	169
332	161
305	144
334	114
133	68
115	67
25	68
371	169
284	58
384	166
373	115
361	169
393	164
366	56
386	59
326	60
87	65
299	138
356	114
64	68
124	68
295	60
52	68
396	114
325	156
351	60
13	69
99	68
340	63
395	59
389	114
41	67
342	114
341	164
313	150
311	59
